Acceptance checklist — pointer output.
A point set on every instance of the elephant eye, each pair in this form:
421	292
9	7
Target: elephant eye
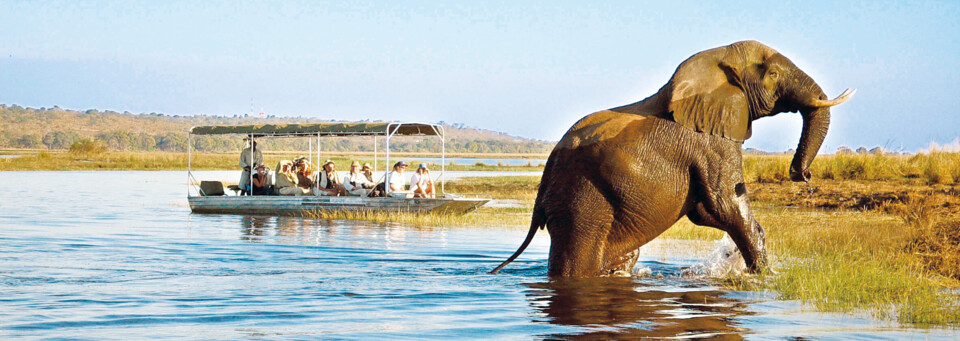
774	75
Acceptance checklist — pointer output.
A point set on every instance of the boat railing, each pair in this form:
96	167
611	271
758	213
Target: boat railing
193	186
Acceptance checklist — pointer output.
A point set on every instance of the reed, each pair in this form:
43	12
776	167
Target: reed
482	217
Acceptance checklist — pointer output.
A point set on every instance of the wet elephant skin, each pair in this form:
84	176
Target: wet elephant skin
621	177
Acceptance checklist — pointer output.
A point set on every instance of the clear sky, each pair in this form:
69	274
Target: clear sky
522	67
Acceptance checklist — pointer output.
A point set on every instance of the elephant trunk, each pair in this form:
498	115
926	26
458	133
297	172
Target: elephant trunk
816	120
815	109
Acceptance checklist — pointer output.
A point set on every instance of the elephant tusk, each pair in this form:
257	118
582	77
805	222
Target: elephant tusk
840	99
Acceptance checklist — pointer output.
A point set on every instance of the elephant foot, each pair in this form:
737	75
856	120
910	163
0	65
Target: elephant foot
623	266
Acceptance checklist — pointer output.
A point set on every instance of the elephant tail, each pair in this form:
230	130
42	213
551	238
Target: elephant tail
536	222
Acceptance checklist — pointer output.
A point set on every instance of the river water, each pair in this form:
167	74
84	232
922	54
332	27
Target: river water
118	255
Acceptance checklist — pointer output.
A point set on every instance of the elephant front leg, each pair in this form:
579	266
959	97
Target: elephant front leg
729	210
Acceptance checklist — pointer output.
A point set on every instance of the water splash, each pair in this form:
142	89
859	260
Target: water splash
724	260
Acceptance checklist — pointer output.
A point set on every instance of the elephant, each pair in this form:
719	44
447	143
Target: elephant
620	177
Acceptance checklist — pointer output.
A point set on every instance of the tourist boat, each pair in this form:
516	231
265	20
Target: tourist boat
209	196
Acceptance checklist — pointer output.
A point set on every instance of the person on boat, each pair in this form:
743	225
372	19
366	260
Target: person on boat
368	172
421	184
305	176
356	183
395	179
261	181
329	182
287	179
250	158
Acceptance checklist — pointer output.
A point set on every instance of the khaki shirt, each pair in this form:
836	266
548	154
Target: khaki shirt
245	158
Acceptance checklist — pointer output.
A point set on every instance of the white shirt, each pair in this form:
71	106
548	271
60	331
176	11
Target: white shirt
397	180
415	179
359	179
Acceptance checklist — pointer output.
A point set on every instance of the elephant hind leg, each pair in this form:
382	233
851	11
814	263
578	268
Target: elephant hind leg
579	231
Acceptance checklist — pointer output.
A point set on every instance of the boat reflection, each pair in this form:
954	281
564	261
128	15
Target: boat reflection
341	233
628	308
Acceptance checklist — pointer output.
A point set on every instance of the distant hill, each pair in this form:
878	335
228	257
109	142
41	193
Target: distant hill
56	128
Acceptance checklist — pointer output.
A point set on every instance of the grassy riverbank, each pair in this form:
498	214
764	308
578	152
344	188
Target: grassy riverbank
42	160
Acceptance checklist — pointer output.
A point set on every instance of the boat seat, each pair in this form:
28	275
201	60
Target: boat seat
234	188
211	188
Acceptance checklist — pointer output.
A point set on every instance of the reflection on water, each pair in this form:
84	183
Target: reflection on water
117	255
618	308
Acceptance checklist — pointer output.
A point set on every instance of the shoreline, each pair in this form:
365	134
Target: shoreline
44	160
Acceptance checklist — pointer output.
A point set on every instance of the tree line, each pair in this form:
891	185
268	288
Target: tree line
59	129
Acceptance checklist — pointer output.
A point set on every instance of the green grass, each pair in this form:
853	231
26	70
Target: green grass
523	188
855	261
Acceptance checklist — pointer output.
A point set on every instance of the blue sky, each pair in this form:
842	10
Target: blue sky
522	67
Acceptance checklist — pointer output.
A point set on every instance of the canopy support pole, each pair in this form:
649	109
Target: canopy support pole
316	184
386	175
253	164
189	157
443	159
386	184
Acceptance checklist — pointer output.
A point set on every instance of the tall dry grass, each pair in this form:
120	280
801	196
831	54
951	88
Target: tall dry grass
934	240
933	167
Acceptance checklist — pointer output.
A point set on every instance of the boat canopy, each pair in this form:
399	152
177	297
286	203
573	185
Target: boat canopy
323	129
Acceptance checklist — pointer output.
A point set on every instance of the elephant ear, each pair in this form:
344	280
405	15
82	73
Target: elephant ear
707	93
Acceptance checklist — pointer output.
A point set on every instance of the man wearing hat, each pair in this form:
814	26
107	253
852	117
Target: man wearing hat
421	184
329	182
250	158
395	179
356	182
368	172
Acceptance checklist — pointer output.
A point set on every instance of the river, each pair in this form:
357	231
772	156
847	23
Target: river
118	255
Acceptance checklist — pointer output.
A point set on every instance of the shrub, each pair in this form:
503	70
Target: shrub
935	242
938	167
87	147
938	247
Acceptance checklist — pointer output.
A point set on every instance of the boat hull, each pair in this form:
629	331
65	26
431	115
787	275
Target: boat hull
297	205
